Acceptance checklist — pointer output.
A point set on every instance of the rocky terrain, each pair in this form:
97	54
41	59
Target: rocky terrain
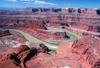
8	41
35	28
52	26
79	18
4	32
78	54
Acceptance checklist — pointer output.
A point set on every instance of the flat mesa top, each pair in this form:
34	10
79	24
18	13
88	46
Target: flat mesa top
52	30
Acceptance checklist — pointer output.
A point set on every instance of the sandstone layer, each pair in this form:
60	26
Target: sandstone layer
78	54
38	30
39	18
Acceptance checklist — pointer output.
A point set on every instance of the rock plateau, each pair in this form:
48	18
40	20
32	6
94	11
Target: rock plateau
78	54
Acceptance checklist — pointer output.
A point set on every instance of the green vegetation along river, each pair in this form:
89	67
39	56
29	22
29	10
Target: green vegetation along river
49	44
72	35
33	39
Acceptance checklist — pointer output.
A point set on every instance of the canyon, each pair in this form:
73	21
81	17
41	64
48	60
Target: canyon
50	37
79	18
77	54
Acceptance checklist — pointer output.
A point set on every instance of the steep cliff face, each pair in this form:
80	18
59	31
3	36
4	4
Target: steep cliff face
88	50
34	25
34	10
83	53
98	12
35	28
67	10
21	55
74	17
23	23
79	18
55	10
85	26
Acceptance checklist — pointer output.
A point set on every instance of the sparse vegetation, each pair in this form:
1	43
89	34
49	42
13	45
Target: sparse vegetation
18	33
73	37
37	38
53	50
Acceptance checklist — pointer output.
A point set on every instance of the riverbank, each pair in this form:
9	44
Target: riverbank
48	44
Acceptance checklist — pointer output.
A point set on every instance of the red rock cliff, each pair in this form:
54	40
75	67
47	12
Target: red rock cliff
83	53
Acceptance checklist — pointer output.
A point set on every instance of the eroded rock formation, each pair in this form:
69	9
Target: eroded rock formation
38	30
21	55
67	10
4	32
83	53
38	18
88	50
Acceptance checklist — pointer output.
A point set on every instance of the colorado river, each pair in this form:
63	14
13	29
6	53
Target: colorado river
33	39
48	44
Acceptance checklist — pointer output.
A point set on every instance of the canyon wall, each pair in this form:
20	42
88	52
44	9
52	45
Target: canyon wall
39	18
77	54
36	29
68	10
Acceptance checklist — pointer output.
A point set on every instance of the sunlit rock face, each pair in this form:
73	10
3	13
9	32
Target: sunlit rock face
38	29
67	10
84	50
21	55
83	53
38	18
89	50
